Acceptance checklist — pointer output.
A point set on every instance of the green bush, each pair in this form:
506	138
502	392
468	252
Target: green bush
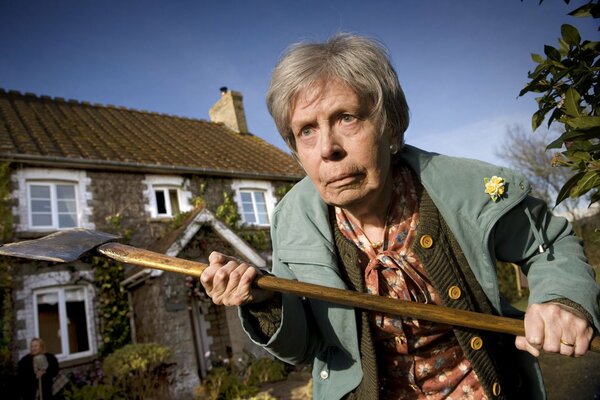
263	370
99	392
138	370
134	372
241	380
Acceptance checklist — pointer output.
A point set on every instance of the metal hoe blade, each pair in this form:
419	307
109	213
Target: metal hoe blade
63	246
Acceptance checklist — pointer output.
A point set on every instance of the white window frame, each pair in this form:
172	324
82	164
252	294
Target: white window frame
24	177
62	312
54	212
167	196
166	183
265	187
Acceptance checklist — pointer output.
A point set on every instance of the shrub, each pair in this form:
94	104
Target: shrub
241	380
136	371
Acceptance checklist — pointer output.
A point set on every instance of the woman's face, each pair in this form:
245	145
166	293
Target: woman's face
339	147
36	348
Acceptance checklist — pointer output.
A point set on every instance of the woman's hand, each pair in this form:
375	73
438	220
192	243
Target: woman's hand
555	328
228	281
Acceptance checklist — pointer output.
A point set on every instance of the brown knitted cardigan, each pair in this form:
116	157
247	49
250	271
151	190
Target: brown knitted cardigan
495	361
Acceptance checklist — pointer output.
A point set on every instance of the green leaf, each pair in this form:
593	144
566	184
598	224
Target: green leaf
551	53
583	11
571	102
570	34
584	122
589	181
593	46
556	115
537	58
595	198
556	144
578	156
566	189
537	119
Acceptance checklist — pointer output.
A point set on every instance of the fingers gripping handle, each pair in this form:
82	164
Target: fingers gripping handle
430	312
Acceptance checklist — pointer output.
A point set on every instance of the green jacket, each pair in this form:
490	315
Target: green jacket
513	229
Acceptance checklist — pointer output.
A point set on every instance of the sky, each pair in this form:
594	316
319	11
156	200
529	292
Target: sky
461	63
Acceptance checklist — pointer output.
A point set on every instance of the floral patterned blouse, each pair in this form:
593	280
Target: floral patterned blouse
417	359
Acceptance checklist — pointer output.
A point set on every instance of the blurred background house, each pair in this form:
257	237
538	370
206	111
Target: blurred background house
160	181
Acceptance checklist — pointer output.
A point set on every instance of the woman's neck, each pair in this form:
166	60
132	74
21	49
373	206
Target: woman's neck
372	218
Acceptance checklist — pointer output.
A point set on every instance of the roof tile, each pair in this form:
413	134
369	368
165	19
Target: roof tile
70	129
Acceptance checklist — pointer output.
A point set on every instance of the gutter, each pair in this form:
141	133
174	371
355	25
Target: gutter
108	165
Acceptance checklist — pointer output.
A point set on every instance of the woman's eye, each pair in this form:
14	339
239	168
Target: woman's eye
347	118
307	130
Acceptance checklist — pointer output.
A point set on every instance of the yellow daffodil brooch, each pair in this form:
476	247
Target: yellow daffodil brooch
495	187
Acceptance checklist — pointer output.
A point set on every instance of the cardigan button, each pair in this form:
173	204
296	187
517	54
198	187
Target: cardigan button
426	241
454	292
324	374
476	343
496	389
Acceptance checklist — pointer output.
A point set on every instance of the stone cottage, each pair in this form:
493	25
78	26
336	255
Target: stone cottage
157	179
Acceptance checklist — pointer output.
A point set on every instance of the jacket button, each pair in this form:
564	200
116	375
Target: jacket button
476	343
324	374
496	389
426	241
454	292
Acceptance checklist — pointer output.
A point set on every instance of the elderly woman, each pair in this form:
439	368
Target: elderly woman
376	216
36	372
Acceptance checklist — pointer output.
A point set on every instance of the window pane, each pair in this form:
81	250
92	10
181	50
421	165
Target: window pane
247	208
261	207
263	218
246	197
41	206
65	192
250	218
174	201
259	197
49	325
161	205
39	191
67	206
41	220
77	321
67	220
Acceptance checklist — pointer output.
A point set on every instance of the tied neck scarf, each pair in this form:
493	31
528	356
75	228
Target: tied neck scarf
390	271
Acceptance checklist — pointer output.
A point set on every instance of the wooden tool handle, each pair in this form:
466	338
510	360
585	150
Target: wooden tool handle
430	312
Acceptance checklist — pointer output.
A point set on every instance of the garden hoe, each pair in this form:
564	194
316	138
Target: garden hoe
70	245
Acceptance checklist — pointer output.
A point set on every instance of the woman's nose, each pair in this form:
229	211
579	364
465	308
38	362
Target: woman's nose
330	145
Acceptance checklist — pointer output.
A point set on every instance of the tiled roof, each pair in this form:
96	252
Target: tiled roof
40	129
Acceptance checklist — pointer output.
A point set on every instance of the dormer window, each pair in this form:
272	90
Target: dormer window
255	201
167	196
254	207
167	201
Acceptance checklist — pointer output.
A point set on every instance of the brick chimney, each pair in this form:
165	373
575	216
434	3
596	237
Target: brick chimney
230	111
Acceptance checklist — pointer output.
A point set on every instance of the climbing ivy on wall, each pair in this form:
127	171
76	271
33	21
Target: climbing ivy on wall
113	307
227	211
6	313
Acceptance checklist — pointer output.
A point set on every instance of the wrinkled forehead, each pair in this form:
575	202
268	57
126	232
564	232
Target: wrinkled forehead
315	90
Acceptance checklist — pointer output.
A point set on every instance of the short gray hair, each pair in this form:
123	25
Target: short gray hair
360	62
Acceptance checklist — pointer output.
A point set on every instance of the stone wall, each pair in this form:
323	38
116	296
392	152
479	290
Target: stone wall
121	194
156	320
159	305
